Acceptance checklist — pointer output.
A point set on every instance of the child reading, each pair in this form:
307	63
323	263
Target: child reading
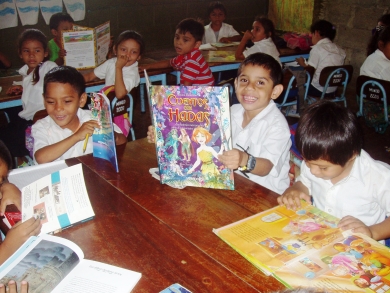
190	62
337	175
59	22
61	135
121	71
217	30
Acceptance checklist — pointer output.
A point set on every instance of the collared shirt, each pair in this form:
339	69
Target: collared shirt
266	46
226	31
377	66
193	68
323	54
268	137
363	194
130	73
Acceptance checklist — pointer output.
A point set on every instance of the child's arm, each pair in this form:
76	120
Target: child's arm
5	61
150	134
291	198
10	195
90	76
60	60
12	287
15	90
377	232
241	47
157	65
54	151
120	87
120	138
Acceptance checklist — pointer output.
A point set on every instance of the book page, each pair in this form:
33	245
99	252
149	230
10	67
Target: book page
96	277
102	34
80	48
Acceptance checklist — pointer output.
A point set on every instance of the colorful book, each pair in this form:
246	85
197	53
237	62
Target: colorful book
192	127
11	218
54	264
103	138
304	248
176	288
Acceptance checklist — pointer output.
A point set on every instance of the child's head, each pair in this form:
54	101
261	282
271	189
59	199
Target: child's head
384	42
5	162
201	135
59	22
130	44
188	35
322	29
262	28
383	22
329	138
64	93
258	82
216	12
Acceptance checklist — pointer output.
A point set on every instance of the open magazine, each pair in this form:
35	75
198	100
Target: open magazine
304	248
54	264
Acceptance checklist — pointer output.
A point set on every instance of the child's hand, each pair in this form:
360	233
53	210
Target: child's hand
62	53
87	128
121	61
12	287
301	61
291	198
231	159
357	226
224	40
10	195
247	36
15	90
151	135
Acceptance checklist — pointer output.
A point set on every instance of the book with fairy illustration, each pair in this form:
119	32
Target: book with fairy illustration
192	127
304	248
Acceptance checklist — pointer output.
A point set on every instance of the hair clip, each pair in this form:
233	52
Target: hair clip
379	28
333	28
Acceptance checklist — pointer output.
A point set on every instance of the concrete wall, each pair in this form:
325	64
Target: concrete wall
154	19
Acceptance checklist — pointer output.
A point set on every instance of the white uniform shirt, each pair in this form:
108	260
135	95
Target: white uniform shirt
266	46
268	137
107	71
32	97
226	31
323	54
363	194
377	66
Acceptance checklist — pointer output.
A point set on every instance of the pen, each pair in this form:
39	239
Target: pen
85	143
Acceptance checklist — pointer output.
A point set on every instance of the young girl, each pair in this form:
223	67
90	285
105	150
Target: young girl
217	30
377	65
324	53
122	70
383	22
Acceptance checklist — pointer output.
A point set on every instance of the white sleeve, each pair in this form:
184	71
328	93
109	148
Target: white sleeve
232	32
303	177
40	135
116	128
101	70
131	79
251	50
314	58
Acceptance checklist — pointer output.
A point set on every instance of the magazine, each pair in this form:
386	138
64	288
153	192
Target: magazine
304	248
54	264
192	127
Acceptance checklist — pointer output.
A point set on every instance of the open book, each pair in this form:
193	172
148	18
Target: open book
304	248
86	47
53	264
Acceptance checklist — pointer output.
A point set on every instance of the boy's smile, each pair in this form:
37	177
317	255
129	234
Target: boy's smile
129	49
184	43
62	102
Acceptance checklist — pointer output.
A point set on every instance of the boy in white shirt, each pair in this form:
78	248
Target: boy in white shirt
337	175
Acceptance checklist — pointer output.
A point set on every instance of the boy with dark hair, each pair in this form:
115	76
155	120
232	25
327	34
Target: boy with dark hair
59	22
190	61
337	175
61	135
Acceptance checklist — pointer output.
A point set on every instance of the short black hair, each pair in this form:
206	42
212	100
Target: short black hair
268	26
216	5
193	26
330	132
267	62
325	29
65	74
126	35
59	17
5	155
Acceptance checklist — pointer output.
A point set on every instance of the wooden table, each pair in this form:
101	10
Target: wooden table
166	233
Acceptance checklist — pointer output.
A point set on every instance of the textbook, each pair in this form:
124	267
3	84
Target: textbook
54	264
192	127
103	138
304	248
60	200
86	47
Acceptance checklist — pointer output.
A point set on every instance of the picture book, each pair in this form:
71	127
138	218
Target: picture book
60	200
11	218
192	127
54	264
220	56
176	288
86	47
304	248
103	138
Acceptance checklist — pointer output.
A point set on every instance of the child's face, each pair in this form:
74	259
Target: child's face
130	49
63	26
385	48
62	102
184	43
315	37
217	16
255	88
32	53
329	171
258	32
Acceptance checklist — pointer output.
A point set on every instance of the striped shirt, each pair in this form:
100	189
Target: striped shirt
193	68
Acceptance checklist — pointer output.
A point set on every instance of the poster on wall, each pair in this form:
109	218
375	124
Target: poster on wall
8	15
28	11
50	7
76	9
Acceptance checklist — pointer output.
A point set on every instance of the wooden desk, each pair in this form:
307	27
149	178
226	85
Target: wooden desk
166	233
9	101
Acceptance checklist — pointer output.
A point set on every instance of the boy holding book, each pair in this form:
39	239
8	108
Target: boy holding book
59	22
337	175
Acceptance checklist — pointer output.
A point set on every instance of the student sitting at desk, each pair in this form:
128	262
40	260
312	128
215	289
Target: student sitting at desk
190	62
61	135
217	30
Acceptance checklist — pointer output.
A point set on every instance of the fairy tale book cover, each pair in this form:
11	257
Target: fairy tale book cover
192	127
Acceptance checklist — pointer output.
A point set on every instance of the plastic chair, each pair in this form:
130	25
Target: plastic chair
334	76
124	106
373	90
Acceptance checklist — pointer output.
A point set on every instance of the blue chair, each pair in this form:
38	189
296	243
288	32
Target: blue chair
123	106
